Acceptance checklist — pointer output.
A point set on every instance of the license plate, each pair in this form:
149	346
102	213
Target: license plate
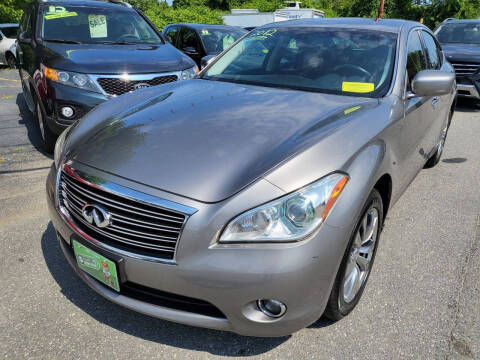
98	266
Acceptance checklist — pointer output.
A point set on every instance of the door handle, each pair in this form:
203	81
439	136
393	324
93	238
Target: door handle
435	100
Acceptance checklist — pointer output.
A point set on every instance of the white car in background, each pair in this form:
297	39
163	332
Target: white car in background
8	35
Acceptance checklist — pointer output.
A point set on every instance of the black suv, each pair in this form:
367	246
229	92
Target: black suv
460	41
202	42
75	54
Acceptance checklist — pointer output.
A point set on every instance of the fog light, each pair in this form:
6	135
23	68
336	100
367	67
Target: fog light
67	111
272	308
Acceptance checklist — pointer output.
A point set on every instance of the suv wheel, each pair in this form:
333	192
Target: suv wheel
12	63
358	260
48	137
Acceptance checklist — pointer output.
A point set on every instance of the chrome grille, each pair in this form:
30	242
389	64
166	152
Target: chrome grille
119	86
465	69
136	227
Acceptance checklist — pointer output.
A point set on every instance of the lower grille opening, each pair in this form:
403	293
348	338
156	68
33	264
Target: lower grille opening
168	300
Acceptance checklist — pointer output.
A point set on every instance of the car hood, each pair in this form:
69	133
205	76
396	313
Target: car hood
206	140
462	52
114	59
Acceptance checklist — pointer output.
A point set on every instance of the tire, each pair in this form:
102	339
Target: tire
435	158
11	61
358	259
47	136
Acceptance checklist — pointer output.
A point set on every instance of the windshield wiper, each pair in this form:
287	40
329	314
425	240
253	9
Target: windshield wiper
63	41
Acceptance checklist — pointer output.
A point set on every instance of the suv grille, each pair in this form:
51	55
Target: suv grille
117	86
136	227
465	69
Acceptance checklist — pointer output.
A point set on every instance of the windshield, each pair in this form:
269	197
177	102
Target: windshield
9	32
217	40
468	33
80	24
339	61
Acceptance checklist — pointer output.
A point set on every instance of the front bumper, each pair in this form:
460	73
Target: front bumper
58	95
468	90
231	278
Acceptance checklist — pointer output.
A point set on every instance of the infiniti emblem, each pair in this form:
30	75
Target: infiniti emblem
139	86
96	214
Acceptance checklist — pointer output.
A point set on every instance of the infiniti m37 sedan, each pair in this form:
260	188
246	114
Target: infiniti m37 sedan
252	198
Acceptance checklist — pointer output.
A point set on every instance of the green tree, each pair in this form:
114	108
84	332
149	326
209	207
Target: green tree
12	10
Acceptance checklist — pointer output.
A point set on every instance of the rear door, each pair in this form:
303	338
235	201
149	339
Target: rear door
440	104
416	140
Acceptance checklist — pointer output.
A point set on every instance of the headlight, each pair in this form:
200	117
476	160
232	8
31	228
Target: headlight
290	218
189	73
69	78
59	146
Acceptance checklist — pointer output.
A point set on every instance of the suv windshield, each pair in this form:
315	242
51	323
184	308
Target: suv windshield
80	24
351	62
217	40
468	33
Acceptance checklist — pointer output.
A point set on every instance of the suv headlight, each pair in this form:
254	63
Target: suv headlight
290	218
189	73
69	78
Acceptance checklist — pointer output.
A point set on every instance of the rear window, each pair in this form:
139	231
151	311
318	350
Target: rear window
10	32
96	25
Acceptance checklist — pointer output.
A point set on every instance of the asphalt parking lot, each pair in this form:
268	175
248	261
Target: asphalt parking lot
422	300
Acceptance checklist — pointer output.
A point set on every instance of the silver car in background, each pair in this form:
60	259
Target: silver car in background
252	198
8	52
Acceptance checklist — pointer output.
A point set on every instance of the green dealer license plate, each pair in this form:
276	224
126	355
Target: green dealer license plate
98	266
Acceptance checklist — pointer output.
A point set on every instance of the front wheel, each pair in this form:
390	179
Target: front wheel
12	63
357	261
48	137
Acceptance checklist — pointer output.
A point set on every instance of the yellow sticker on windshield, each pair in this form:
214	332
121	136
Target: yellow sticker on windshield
350	110
358	87
60	15
56	9
97	25
205	32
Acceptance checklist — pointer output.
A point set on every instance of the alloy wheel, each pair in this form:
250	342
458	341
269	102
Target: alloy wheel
361	254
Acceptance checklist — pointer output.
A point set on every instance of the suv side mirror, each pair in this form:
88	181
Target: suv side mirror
432	83
22	38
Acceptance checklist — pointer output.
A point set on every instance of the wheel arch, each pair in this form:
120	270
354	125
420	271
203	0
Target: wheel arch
384	187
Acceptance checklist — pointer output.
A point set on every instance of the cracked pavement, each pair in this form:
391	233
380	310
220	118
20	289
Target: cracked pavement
422	300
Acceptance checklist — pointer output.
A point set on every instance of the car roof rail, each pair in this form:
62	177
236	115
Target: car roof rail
449	19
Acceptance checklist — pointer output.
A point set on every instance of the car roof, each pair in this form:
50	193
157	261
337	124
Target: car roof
93	3
8	25
389	25
207	26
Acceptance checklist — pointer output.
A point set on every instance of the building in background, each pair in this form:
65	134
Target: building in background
251	18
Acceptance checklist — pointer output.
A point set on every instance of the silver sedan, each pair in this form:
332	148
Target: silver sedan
252	198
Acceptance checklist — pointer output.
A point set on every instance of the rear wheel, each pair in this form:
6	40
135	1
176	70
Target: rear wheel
358	260
435	158
48	137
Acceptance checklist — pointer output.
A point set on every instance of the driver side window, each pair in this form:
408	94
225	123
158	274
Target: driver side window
416	60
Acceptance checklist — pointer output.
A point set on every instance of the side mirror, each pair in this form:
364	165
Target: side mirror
190	50
432	83
22	38
206	60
